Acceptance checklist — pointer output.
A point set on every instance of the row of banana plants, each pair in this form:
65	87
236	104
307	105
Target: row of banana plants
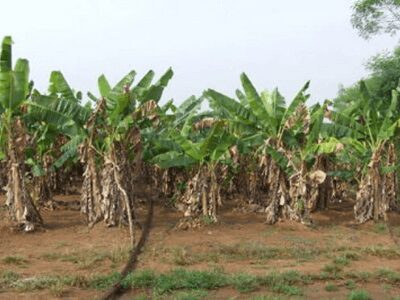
284	160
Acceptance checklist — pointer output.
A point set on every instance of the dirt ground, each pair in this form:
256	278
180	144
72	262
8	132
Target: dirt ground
238	244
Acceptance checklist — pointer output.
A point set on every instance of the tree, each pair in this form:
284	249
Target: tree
384	77
384	74
372	17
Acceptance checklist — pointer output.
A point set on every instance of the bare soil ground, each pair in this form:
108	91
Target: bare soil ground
339	255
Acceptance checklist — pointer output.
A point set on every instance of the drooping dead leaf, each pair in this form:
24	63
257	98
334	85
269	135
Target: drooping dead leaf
317	177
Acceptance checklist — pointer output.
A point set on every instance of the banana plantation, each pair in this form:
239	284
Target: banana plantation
283	158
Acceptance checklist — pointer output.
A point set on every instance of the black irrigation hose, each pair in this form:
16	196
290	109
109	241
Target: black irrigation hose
118	290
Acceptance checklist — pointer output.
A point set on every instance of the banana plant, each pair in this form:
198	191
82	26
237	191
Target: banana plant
308	156
270	129
113	146
169	180
202	153
370	141
15	90
56	125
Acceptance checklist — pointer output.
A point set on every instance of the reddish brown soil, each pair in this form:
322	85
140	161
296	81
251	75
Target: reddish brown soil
66	234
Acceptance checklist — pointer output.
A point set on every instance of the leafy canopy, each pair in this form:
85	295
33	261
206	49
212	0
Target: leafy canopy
383	78
373	17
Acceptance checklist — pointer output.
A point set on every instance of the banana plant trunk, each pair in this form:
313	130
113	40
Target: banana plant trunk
325	191
391	180
3	175
43	184
91	197
43	192
277	196
376	191
202	198
20	204
294	198
117	196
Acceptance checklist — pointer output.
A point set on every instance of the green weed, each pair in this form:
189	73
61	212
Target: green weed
330	287
359	295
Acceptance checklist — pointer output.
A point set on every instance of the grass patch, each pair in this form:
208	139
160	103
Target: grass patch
183	279
207	220
57	289
89	259
359	295
360	276
189	282
245	283
284	283
190	295
141	279
181	257
102	282
350	284
184	256
380	228
380	251
8	277
332	268
55	284
351	255
301	251
341	261
330	287
288	290
266	297
389	276
14	260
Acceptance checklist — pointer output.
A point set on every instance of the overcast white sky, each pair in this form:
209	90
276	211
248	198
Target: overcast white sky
208	43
